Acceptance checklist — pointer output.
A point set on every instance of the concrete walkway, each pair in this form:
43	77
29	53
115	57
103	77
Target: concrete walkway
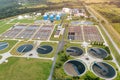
4	57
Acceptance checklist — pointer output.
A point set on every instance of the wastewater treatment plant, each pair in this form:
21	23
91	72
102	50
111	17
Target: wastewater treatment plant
58	40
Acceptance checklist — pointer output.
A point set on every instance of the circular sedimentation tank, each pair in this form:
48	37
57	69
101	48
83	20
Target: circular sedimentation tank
25	48
74	51
3	45
103	70
74	68
98	53
45	49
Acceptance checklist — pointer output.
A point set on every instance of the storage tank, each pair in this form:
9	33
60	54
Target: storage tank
45	17
58	17
51	17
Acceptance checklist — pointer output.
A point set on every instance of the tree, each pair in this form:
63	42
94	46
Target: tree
58	64
64	57
91	78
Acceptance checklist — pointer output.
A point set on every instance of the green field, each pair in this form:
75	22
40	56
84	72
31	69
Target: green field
23	21
11	44
109	13
39	18
0	57
58	1
5	27
25	69
116	27
96	1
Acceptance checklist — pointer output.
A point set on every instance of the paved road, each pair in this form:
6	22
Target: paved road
59	48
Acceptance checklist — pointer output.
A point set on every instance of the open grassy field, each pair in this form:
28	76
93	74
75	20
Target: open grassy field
39	18
110	16
2	22
116	26
51	54
23	21
5	27
58	1
0	57
11	44
95	1
25	69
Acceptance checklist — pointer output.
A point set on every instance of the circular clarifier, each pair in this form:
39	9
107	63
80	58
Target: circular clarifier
3	45
98	53
74	51
74	68
103	70
25	48
45	49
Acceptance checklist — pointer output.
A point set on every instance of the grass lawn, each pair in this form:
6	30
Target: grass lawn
39	18
5	27
51	54
89	75
23	21
25	69
0	57
14	50
58	1
11	44
2	22
95	1
116	27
